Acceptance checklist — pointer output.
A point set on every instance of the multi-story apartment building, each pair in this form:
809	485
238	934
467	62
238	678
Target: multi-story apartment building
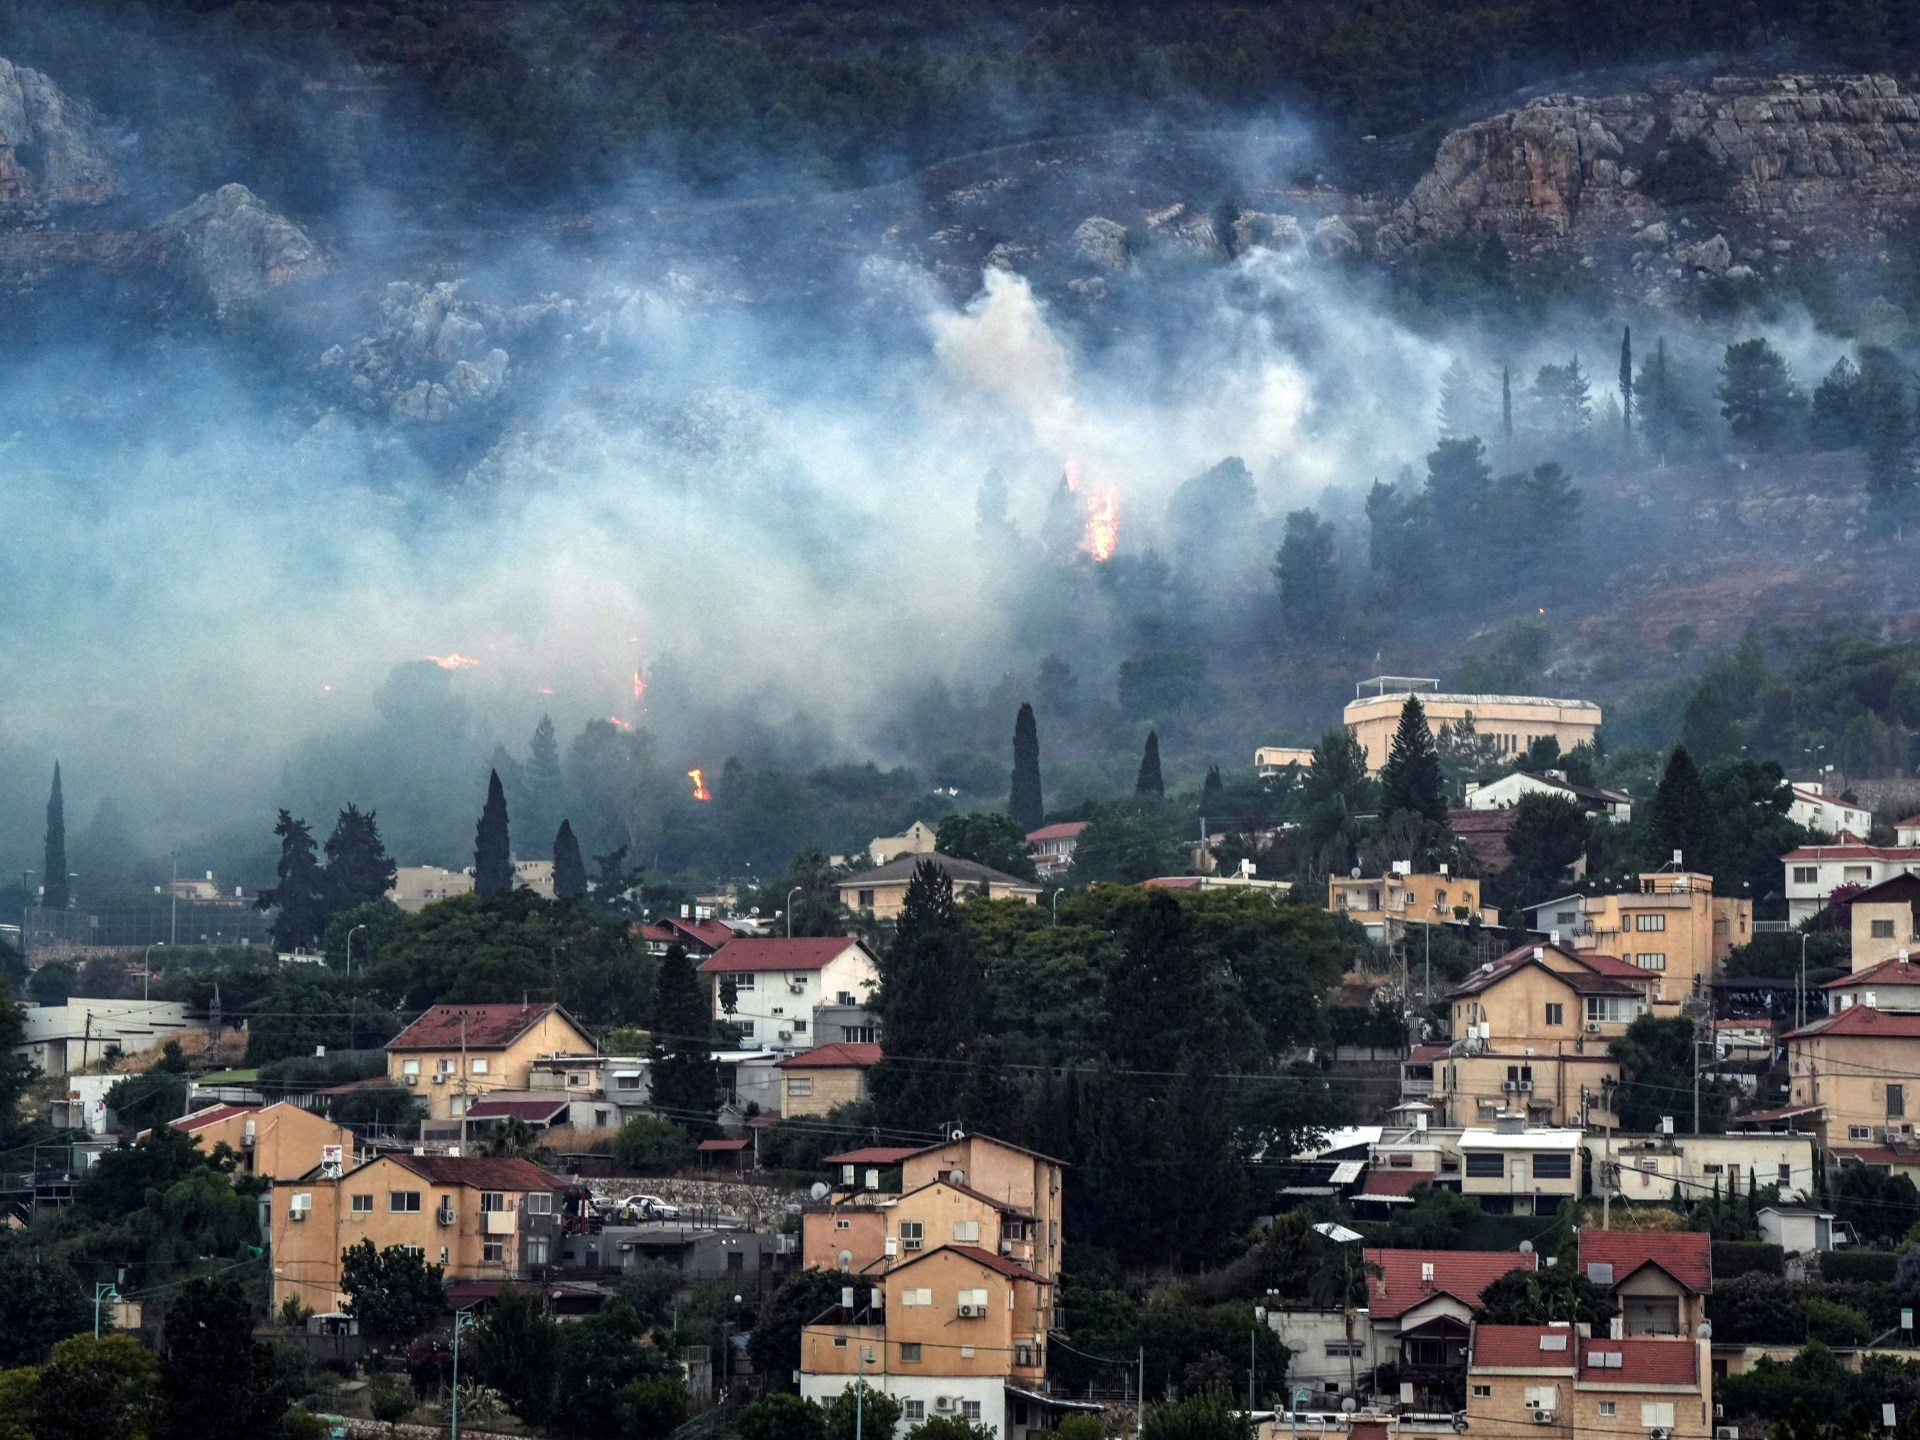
778	983
882	891
1511	722
455	1054
1525	1382
482	1220
280	1142
1854	1075
1669	924
1814	872
1386	904
1886	918
815	1081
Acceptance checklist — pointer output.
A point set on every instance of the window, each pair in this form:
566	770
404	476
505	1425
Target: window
492	1252
866	900
798	1085
1649	922
913	1234
972	1300
1341	1349
799	1027
626	1082
967	1232
1859	1132
361	1204
914	1410
540	1202
1883	929
857	1034
1650	962
922	1296
1484	1166
1713	1169
536	1250
456	1105
1542	1397
970	1409
1656	1414
477	1065
736	1260
1026	1355
843	997
967	1352
1483	1392
1786	1175
746	1029
1615	1008
1896	1101
492	1202
742	979
444	1065
1806	874
839	1342
843	1224
1553	1167
1556	1014
409	1067
403	1202
1857	874
1609	1409
1565	917
910	1354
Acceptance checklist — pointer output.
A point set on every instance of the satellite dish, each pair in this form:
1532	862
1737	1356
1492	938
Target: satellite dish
1356	872
1349	1405
819	1190
846	1259
956	1135
1526	1247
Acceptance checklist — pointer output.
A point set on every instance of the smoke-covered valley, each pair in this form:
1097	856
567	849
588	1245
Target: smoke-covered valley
313	503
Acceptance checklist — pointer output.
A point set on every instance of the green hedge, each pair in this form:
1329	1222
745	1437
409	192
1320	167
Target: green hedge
1733	1258
1866	1267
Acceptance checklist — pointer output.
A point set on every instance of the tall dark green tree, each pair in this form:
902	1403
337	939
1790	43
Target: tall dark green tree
359	870
394	1293
1506	404
932	1004
686	1085
1886	422
492	847
1563	398
1024	803
1665	417
300	892
1334	793
215	1378
1410	780
53	874
539	797
1214	786
1835	423
1679	817
1148	781
1758	396
1306	569
569	870
1626	380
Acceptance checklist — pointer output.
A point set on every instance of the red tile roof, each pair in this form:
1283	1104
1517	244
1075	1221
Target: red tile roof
476	1027
1852	848
836	1055
1873	1155
724	1145
212	1115
1463	1274
705	935
1421	1054
1686	1255
1066	830
1611	965
1642	1362
1517	1347
1011	1269
757	952
1394	1183
873	1155
534	1112
1171	882
1888	972
1485	834
1862	1021
477	1172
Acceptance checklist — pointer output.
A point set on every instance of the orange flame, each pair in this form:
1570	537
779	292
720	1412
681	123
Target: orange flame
618	723
639	685
700	791
1103	524
454	661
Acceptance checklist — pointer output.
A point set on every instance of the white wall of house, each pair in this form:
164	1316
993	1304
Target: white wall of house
776	1011
1319	1341
989	1392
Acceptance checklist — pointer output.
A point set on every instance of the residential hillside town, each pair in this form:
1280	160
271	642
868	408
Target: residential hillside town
1473	1089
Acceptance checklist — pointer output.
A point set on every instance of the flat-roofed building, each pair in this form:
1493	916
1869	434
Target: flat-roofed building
1512	722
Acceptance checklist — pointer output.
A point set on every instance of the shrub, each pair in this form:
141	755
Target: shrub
1734	1258
651	1145
1864	1267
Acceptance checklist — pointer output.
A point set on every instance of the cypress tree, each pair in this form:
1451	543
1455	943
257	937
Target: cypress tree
1023	804
492	849
569	870
54	858
1506	404
1411	780
931	1004
686	1083
1626	380
1214	784
538	795
1678	816
1149	781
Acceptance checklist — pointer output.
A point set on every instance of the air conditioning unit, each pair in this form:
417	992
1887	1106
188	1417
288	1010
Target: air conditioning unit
439	1079
798	987
1593	1027
786	1034
445	1215
296	1214
911	1244
1524	1086
1726	1432
1543	1417
945	1402
410	1079
1509	1086
1659	1435
973	1312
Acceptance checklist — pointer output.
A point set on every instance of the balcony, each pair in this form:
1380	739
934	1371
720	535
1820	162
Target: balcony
497	1222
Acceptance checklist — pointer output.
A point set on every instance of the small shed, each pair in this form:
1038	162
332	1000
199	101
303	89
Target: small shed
723	1154
1797	1229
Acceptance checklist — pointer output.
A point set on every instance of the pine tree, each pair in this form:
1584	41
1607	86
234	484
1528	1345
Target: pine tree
1461	407
1564	398
359	870
931	1004
1214	786
1886	424
54	857
569	870
1836	422
541	781
300	894
1024	803
1506	404
1149	782
1758	395
686	1083
492	849
1307	570
1678	816
1665	419
1626	380
1410	780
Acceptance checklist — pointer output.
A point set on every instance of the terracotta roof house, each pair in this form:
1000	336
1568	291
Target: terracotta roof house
1659	1280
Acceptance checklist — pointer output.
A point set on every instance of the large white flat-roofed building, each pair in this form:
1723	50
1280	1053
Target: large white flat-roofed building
1512	722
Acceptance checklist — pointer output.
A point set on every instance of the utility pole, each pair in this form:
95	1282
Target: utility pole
1800	995
461	1320
1142	1396
465	1098
173	903
1696	1073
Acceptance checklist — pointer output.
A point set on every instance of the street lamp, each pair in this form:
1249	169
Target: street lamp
103	1290
462	1319
790	894
146	967
1056	905
350	934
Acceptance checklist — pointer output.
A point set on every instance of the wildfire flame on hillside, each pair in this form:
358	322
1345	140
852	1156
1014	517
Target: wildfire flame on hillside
618	723
639	685
1103	524
454	661
700	791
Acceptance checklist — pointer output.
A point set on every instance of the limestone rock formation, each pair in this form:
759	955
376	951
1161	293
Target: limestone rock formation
1833	157
235	247
1253	229
1333	236
53	151
1102	241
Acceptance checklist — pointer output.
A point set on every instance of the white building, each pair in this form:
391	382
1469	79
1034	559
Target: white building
1814	872
777	983
1649	1165
1508	790
417	886
1830	815
63	1038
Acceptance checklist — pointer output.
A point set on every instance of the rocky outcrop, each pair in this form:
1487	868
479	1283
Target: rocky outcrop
235	248
53	150
1833	156
437	354
1102	241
